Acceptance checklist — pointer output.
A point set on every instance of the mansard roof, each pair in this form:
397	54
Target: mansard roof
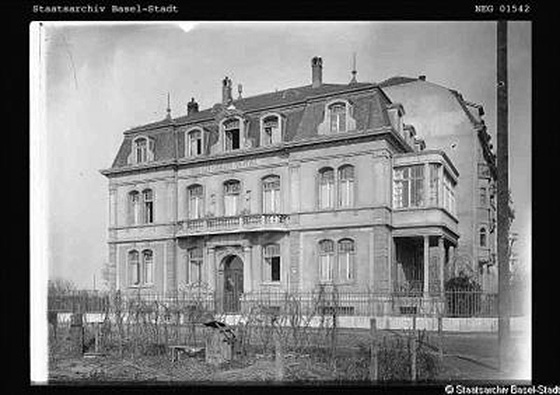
301	107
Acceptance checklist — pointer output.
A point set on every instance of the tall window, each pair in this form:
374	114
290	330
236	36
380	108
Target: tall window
483	237
326	188
270	130
148	262
271	194
346	259
134	268
141	148
326	255
448	193
134	208
346	186
232	190
337	114
194	193
271	269
194	271
195	143
408	187
434	184
232	135
148	206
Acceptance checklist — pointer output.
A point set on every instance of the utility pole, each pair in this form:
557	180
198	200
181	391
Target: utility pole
503	197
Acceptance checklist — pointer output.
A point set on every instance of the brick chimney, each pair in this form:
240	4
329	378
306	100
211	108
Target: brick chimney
316	72
226	91
422	77
192	107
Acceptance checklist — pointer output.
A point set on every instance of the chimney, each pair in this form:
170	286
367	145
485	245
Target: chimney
192	107
316	72
422	77
226	91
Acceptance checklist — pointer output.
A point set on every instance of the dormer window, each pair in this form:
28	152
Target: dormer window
194	143
232	135
337	113
271	130
142	150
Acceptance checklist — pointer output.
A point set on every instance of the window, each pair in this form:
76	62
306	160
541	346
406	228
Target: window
194	270
337	113
148	262
271	194
434	184
134	208
195	143
232	190
271	269
346	186
448	193
326	254
194	197
148	206
346	259
270	132
141	148
134	268
483	198
483	237
326	188
408	187
232	135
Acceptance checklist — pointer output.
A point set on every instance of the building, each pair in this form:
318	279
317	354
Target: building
294	190
448	122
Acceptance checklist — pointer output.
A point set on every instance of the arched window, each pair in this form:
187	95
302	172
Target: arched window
148	206
270	130
141	149
194	143
346	259
134	268
232	134
194	270
346	186
326	188
326	255
133	208
271	194
271	269
195	201
148	263
483	237
232	190
337	114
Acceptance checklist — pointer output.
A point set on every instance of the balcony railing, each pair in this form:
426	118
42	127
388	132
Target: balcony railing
250	222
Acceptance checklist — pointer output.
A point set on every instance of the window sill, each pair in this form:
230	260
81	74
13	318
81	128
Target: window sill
272	283
141	286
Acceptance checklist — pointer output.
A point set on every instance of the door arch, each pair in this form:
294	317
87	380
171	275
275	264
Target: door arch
233	283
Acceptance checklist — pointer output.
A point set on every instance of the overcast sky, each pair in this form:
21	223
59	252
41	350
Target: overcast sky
103	79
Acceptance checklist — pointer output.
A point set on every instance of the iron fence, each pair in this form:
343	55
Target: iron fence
450	304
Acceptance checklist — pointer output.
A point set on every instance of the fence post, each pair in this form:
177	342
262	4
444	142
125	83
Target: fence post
413	355
279	358
373	366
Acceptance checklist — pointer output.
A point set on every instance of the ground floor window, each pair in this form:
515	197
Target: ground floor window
271	269
194	266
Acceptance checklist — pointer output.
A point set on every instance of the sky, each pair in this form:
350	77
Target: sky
101	79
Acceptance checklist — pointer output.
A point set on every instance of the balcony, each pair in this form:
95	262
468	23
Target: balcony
238	223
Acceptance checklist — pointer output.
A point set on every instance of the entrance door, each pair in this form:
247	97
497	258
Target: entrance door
233	283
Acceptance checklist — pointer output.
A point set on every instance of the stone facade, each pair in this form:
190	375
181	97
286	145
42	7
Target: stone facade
221	201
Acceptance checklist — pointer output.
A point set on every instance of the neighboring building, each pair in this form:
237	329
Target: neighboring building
287	191
448	122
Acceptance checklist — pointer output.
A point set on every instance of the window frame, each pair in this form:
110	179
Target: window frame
137	271
331	188
188	142
134	208
267	259
195	261
200	198
349	271
344	114
273	206
483	237
224	130
326	258
411	184
237	200
277	134
147	274
148	206
350	188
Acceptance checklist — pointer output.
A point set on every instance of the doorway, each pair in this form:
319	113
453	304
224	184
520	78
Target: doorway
233	283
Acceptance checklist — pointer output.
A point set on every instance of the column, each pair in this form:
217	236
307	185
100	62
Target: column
426	197
441	250
452	259
426	265
211	271
440	186
248	269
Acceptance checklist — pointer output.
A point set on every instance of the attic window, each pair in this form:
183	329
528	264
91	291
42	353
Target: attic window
194	141
337	113
142	150
232	135
270	130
